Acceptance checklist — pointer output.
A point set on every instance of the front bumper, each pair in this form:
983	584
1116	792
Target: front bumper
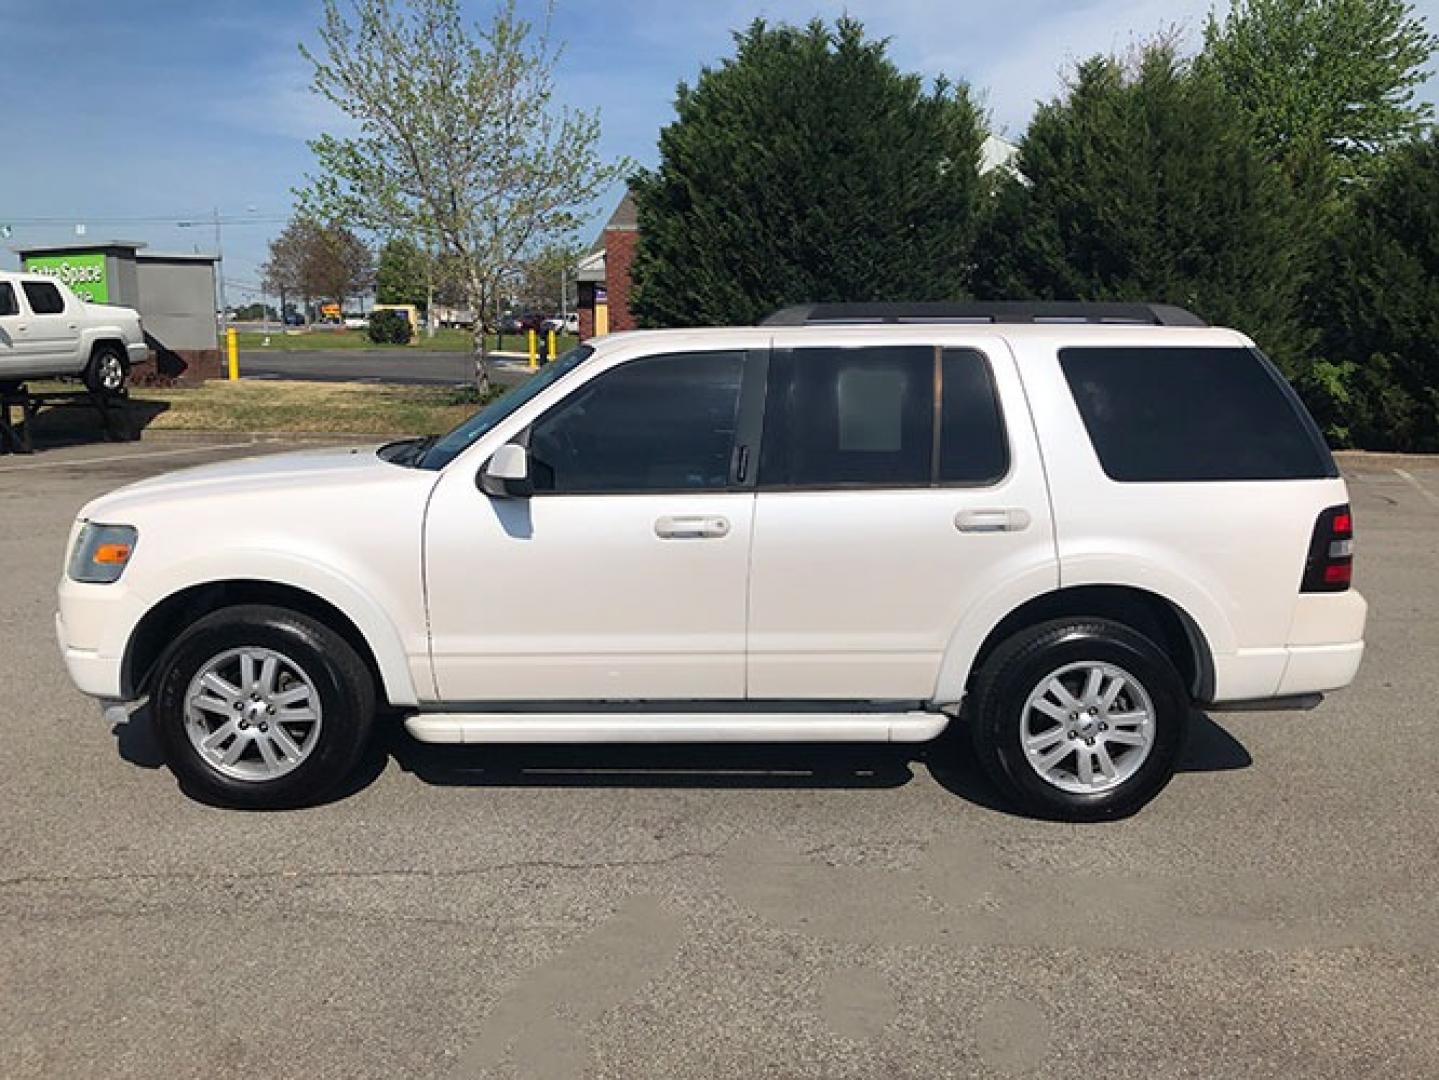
137	354
93	626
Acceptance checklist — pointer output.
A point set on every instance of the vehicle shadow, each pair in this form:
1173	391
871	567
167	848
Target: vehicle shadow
758	766
80	423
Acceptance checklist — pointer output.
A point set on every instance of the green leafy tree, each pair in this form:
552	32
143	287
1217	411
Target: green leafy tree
1143	183
806	168
1377	301
1329	84
388	327
316	261
403	274
461	142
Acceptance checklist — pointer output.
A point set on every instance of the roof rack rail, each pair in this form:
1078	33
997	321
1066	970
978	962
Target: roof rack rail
1002	311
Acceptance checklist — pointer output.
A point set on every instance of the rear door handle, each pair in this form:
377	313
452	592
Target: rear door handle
1005	519
698	527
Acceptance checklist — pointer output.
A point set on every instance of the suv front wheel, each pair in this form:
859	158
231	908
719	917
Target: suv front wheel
260	707
1079	719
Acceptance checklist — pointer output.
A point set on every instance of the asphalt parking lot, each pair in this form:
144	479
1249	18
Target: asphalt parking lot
690	912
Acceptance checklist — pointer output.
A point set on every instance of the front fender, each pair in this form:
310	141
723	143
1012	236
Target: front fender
403	665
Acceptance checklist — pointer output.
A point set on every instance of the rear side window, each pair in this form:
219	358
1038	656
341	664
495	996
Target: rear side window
1186	414
8	305
45	299
886	416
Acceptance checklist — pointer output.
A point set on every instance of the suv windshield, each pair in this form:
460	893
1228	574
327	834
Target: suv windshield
448	447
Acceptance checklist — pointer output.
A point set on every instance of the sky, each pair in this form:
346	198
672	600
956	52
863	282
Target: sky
135	116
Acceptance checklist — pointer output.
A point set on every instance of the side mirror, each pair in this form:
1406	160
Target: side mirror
507	474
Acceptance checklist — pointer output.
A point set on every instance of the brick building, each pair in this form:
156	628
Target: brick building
603	276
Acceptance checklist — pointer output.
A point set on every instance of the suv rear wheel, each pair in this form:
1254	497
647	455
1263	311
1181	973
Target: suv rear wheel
262	708
1081	720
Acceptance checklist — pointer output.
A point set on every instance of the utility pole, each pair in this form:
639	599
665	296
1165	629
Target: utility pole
220	270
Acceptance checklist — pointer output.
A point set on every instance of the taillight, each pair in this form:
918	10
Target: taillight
1330	565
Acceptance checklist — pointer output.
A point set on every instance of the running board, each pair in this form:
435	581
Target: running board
692	727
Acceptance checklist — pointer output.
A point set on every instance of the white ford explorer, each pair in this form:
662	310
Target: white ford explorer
1059	526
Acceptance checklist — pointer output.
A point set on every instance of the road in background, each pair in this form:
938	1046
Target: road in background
403	367
686	912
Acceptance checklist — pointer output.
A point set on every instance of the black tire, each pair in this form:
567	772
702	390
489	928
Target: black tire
343	683
108	370
996	715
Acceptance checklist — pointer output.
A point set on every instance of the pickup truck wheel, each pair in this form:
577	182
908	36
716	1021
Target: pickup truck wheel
1080	720
259	707
107	371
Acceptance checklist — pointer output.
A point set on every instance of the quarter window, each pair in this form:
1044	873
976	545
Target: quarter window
665	423
1190	414
45	299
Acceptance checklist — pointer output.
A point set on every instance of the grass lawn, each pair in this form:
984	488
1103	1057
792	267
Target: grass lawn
443	341
274	406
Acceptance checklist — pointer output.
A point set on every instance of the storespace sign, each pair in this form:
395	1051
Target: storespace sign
85	274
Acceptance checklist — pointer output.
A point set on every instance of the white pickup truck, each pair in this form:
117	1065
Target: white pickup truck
47	331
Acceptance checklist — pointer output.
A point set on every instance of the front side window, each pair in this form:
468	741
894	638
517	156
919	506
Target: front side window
664	423
45	299
867	417
8	304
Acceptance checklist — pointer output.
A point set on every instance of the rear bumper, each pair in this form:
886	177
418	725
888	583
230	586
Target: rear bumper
1326	644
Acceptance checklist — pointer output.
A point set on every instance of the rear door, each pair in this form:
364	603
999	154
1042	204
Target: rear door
50	338
899	485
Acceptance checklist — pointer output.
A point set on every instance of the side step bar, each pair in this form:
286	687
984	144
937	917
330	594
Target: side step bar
525	727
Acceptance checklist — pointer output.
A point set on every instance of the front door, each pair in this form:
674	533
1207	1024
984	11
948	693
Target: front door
898	486
623	576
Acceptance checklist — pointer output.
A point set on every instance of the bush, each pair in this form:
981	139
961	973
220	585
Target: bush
390	328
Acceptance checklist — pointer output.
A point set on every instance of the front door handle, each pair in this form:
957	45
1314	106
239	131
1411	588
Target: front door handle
1005	519
698	527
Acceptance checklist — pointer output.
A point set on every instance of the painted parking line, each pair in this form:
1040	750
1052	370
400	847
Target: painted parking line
116	458
1413	482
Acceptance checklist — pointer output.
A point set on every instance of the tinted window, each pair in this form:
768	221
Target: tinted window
8	305
1193	414
665	423
972	445
45	299
838	417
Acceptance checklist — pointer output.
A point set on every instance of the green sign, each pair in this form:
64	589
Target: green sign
84	273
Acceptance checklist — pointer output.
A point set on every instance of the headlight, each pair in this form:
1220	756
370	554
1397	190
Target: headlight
101	552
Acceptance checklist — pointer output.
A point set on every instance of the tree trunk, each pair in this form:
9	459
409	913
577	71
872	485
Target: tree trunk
475	297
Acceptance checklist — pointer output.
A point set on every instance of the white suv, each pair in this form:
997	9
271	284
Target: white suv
1062	525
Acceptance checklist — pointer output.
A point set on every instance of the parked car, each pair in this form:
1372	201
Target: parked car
47	331
521	323
356	322
563	324
853	523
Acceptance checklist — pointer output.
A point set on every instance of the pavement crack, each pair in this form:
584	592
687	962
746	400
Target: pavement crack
351	874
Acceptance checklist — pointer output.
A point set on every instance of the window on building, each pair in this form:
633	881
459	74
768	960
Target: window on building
45	298
664	423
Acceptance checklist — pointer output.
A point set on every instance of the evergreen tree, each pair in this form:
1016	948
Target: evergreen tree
806	168
402	276
1143	183
1377	301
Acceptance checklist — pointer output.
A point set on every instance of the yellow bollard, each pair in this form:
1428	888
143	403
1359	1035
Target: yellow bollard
232	348
534	342
552	346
